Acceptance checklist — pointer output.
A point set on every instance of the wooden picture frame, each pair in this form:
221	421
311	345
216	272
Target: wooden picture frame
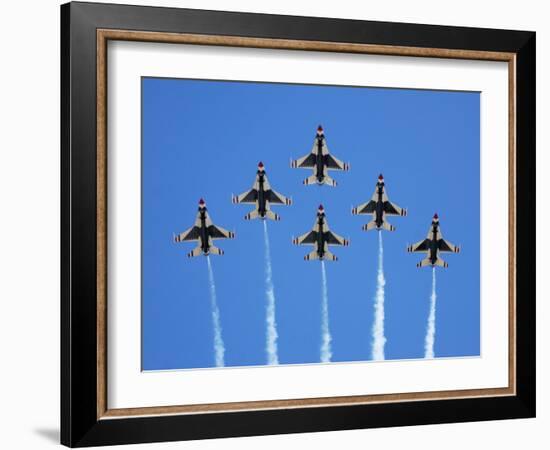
85	417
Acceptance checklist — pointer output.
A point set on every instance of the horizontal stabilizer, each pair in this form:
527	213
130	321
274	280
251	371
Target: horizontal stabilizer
369	226
195	252
216	251
329	181
330	256
439	262
310	180
252	215
424	263
388	227
271	215
311	256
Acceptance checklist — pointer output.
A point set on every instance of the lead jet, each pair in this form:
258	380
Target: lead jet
320	237
380	207
433	245
320	161
262	196
204	232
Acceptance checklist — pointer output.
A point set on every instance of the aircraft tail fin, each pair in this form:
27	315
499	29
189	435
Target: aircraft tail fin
195	252
216	251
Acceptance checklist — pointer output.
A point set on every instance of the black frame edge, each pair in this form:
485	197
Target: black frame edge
65	416
79	231
526	230
234	23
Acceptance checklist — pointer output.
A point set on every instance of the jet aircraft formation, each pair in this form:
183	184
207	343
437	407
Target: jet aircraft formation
263	197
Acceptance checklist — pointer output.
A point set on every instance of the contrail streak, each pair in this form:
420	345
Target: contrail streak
326	338
219	347
430	329
378	338
271	323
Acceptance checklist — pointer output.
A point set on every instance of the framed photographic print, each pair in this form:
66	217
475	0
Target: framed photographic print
276	224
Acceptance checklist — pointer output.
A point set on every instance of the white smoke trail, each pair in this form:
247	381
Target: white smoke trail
219	347
378	338
326	338
271	324
430	329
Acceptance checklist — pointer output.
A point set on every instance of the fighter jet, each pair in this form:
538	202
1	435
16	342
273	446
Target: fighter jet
380	207
320	161
204	232
262	196
433	245
320	237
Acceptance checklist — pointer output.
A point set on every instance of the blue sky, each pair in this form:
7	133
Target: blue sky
205	139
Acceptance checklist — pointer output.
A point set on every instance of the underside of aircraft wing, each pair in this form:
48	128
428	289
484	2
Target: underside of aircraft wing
192	234
391	209
365	208
307	238
334	163
246	197
216	232
420	246
276	198
446	246
306	162
333	239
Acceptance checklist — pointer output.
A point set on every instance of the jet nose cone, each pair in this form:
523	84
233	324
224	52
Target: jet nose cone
319	129
202	202
380	177
321	208
260	165
436	217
